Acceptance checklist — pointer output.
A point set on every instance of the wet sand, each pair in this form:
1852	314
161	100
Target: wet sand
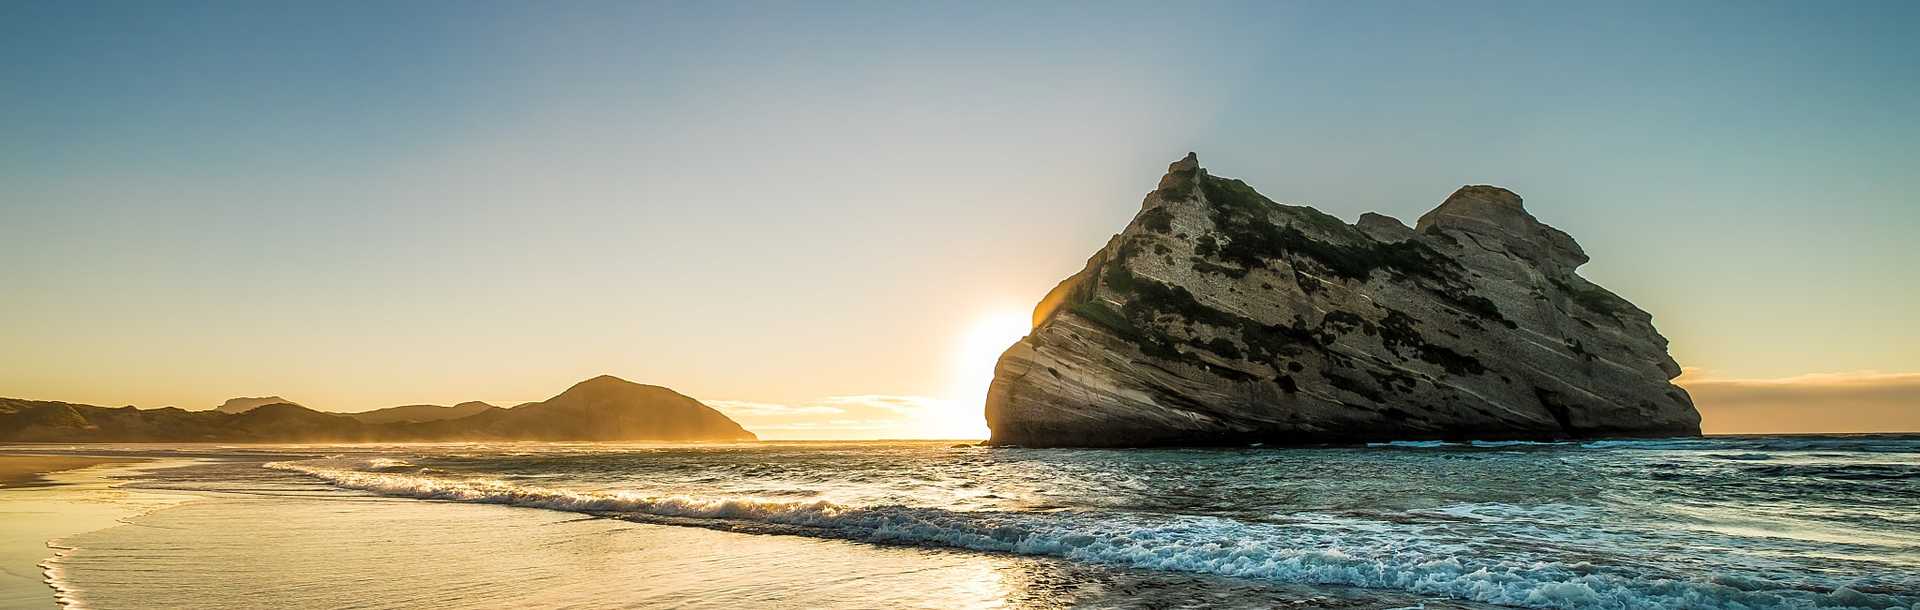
280	553
30	470
48	498
259	538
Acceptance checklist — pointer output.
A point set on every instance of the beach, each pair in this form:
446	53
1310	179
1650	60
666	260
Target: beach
272	553
31	470
46	498
230	533
1604	524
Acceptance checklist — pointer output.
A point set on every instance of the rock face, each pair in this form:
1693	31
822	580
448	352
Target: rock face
604	408
1220	317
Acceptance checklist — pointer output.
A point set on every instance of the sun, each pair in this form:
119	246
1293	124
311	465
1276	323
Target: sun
983	343
974	356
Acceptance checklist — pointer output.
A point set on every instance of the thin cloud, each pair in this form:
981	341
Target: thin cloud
905	405
836	417
831	426
1860	401
745	408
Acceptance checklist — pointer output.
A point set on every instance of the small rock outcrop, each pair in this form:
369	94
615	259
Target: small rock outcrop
1220	317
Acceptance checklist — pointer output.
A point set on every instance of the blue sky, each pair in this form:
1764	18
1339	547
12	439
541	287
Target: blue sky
366	204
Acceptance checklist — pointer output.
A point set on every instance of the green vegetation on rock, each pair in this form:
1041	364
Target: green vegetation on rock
1241	215
1595	299
1157	220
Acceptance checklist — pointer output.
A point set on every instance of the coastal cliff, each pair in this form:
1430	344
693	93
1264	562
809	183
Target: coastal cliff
1220	317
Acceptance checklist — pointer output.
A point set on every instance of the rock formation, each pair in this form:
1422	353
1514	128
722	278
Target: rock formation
1220	317
604	408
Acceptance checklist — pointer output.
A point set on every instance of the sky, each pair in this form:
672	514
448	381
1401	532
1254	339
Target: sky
814	216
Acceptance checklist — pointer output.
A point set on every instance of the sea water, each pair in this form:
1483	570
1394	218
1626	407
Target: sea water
1724	522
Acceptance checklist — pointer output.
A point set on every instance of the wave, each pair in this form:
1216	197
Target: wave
1460	444
1838	472
1485	444
1845	444
1415	444
1213	545
1478	444
385	464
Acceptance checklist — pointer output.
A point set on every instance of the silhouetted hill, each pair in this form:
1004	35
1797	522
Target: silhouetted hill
611	408
244	404
604	408
421	413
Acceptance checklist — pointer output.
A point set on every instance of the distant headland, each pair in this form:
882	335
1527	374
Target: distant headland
604	408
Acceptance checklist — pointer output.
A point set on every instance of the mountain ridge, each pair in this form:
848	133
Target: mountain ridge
421	413
619	410
243	404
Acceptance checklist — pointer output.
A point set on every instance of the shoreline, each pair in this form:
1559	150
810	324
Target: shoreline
20	471
595	540
454	555
48	498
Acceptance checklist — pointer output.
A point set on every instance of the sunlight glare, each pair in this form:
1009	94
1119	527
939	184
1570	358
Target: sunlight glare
978	350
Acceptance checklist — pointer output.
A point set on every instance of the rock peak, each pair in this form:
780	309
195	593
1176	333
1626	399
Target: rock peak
1383	227
1497	213
1180	174
1185	164
1488	194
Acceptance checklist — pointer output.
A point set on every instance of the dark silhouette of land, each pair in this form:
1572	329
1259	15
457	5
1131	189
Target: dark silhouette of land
603	408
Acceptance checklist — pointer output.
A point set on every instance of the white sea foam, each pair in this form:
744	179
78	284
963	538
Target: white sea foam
53	573
1215	545
1510	443
1659	443
1439	444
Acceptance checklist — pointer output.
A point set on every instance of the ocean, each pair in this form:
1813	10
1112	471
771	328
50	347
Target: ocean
1719	522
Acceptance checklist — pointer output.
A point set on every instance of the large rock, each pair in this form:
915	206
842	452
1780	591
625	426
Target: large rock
1220	317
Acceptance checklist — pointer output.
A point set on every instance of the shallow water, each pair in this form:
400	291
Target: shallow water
1781	522
269	551
63	504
